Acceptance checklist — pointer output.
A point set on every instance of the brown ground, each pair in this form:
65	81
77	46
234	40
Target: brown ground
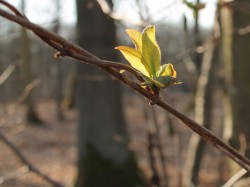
52	147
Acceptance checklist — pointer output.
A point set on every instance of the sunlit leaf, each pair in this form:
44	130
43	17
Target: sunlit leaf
134	57
136	37
146	58
167	70
150	50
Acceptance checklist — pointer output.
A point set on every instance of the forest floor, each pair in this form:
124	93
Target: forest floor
51	147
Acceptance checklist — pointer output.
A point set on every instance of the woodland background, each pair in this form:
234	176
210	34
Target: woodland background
78	126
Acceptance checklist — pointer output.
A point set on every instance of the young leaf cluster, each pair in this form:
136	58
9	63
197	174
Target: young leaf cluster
146	58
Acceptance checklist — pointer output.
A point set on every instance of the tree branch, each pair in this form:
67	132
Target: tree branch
69	49
5	75
116	16
235	178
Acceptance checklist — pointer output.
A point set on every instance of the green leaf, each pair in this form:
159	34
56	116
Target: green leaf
136	37
165	81
195	7
134	57
167	70
146	58
150	50
189	5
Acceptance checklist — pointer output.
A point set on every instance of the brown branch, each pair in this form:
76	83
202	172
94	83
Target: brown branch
65	47
69	49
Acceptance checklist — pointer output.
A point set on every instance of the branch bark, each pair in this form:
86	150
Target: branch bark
69	49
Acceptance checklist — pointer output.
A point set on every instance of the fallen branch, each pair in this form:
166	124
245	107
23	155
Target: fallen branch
69	49
12	176
24	160
27	90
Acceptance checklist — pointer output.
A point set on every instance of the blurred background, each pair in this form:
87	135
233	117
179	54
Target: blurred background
65	123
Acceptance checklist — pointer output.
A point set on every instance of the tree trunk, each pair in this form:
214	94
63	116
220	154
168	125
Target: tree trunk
26	72
103	158
241	77
225	18
205	64
203	109
59	67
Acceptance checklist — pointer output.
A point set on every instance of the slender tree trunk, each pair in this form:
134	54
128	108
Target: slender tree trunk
225	18
241	77
203	106
103	158
226	61
59	68
26	72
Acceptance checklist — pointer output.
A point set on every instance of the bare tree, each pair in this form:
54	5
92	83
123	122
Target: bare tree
26	71
240	76
101	155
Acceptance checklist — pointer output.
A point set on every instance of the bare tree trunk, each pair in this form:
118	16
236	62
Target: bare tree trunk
103	158
226	61
59	85
226	58
26	72
203	108
203	103
240	70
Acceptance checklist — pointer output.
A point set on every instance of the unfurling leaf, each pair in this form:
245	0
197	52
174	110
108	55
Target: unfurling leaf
146	58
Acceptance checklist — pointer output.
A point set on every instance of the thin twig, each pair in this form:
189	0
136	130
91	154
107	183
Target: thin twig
25	93
27	90
5	75
69	49
235	178
24	160
116	16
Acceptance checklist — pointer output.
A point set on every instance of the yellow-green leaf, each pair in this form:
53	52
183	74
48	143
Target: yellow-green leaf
146	58
167	70
136	37
150	50
164	81
134	57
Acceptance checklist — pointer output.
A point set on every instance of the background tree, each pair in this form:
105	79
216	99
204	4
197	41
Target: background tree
26	71
203	94
240	76
103	158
